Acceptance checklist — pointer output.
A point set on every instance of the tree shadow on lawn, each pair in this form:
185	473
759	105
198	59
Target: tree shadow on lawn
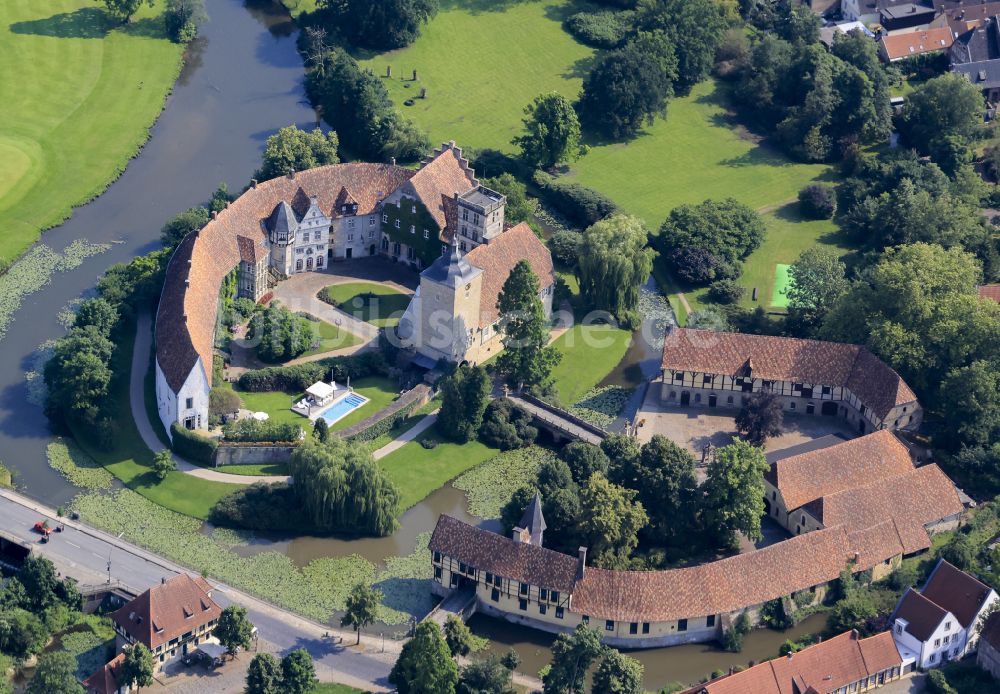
580	68
481	6
85	23
790	213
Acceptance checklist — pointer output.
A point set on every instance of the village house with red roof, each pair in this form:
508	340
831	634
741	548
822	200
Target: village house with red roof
437	218
170	619
845	663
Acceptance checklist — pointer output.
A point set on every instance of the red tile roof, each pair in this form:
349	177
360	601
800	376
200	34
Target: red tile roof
823	667
445	173
913	500
497	258
907	43
956	591
808	476
789	359
105	680
990	291
717	587
185	322
168	610
500	555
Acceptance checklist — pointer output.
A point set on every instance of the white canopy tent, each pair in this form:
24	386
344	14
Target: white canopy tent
321	392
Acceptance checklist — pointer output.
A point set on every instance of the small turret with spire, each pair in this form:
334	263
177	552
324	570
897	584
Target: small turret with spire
532	526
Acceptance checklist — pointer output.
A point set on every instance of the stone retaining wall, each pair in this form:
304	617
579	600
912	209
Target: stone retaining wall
253	454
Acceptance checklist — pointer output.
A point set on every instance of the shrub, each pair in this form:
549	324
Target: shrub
261	506
192	445
605	29
295	379
222	401
726	291
281	334
937	683
506	426
565	245
817	201
583	206
255	431
429	444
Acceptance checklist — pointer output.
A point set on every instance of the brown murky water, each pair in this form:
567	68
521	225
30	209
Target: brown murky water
686	664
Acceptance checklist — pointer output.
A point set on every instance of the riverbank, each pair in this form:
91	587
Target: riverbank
77	103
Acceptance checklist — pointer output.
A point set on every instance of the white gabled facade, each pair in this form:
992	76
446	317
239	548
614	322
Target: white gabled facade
188	406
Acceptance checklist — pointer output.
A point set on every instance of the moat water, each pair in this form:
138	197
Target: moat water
242	81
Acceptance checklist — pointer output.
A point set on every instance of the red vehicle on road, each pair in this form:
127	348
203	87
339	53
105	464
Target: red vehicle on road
42	528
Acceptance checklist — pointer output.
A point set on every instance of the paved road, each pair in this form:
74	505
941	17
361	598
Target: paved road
83	553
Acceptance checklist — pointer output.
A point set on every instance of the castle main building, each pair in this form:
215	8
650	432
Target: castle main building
302	222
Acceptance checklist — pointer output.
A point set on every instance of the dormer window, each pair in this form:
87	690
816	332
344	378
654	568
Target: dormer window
413	209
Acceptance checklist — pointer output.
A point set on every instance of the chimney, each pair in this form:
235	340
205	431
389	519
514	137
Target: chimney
227	204
253	182
581	568
215	215
163	580
393	161
857	557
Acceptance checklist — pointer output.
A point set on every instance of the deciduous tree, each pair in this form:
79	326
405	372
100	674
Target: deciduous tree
610	521
572	656
664	477
382	24
584	459
817	281
520	206
55	674
182	17
361	609
734	492
460	639
613	262
425	665
234	629
618	674
264	675
122	10
298	674
760	418
137	668
551	131
487	675
727	229
291	149
940	107
163	464
464	396
694	27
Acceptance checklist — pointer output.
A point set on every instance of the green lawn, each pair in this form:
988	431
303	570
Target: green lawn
331	338
589	353
418	471
76	101
379	391
788	234
375	303
482	63
254	470
329	688
131	461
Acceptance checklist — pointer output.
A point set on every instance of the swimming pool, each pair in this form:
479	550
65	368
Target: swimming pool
342	408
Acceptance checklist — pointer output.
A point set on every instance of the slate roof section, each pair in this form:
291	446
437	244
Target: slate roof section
498	257
533	521
913	500
990	291
910	43
789	359
922	616
451	269
716	587
168	610
806	477
991	631
824	667
500	555
105	680
956	591
976	45
214	251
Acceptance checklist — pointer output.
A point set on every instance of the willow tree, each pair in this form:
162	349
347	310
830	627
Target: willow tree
612	264
341	488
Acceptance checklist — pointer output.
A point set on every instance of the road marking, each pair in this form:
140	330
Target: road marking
99	556
72	544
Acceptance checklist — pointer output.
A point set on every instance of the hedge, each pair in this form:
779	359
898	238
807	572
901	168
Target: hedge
295	379
191	445
582	205
255	431
383	421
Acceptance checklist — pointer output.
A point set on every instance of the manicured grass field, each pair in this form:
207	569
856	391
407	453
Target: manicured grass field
374	303
787	236
131	461
782	281
76	100
379	391
329	688
589	353
331	338
482	62
418	471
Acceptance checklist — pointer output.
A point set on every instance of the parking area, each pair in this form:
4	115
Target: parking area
695	428
200	677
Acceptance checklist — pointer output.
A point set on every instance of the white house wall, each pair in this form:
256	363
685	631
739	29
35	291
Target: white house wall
173	407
